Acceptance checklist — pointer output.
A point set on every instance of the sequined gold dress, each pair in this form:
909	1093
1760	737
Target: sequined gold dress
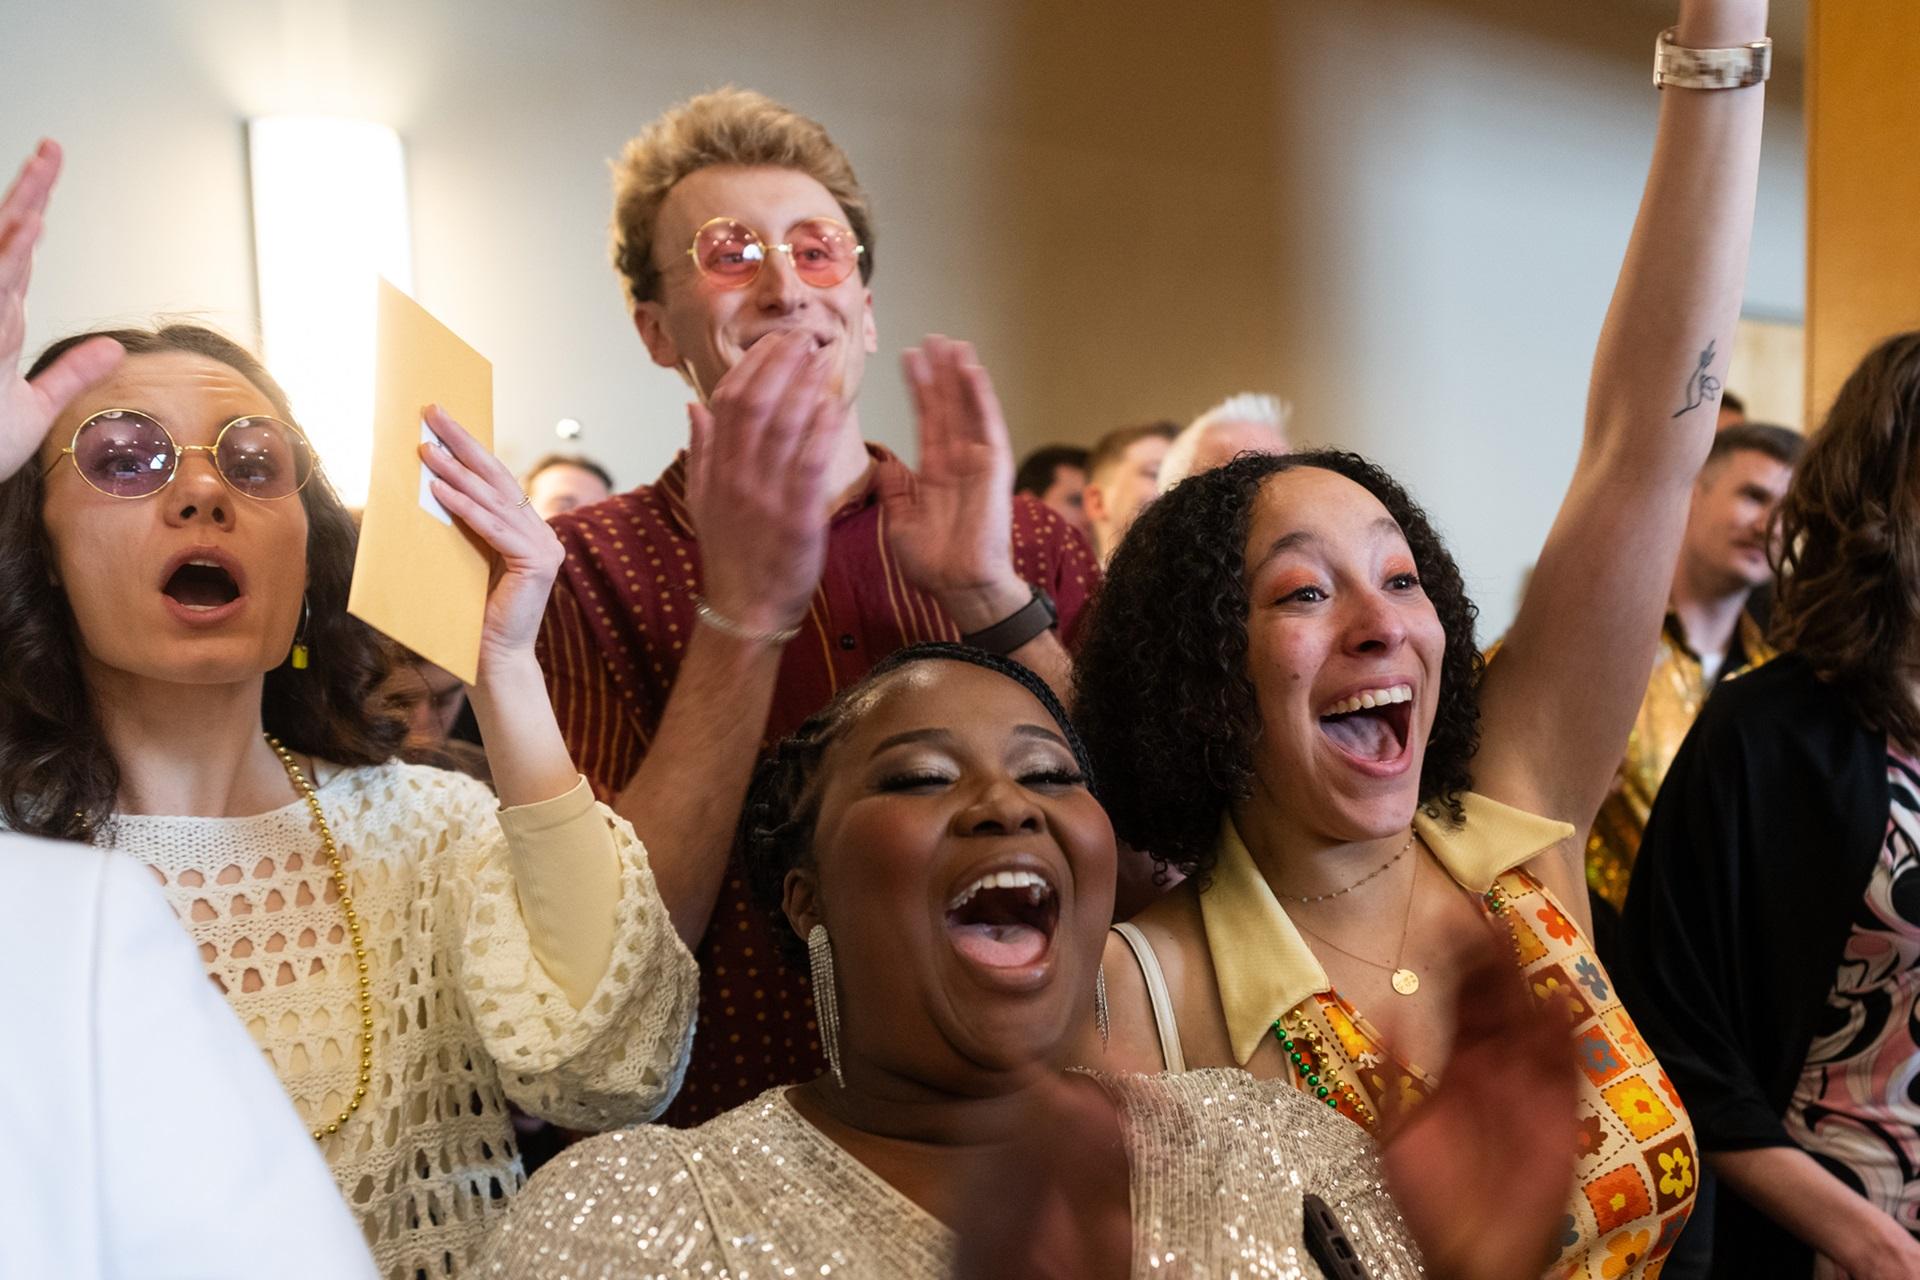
1218	1163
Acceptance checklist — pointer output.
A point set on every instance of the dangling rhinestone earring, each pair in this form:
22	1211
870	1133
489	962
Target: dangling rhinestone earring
1100	1003
826	999
300	654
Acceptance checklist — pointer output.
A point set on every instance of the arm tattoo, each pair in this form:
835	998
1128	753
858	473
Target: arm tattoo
1701	385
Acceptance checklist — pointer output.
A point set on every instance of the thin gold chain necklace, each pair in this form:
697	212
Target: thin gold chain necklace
1404	980
305	788
1322	897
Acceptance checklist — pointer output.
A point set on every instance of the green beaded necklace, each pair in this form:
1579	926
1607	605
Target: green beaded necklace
1300	1041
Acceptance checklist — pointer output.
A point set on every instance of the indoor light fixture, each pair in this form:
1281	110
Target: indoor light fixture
329	214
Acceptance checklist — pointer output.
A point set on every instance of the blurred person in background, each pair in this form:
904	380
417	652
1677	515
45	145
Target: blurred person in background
1733	411
1706	637
1056	474
1251	422
1123	476
562	481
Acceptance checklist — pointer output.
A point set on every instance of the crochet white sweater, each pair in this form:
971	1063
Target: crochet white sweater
470	991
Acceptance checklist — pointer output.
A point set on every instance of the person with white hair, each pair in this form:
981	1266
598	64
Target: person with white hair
1250	422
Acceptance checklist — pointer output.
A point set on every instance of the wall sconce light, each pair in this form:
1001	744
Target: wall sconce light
329	214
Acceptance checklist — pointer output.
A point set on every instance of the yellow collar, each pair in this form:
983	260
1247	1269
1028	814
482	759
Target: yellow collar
1263	965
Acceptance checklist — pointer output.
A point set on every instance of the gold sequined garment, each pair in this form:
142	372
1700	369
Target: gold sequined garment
1218	1162
1675	694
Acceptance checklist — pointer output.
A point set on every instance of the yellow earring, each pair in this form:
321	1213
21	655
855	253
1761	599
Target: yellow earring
300	654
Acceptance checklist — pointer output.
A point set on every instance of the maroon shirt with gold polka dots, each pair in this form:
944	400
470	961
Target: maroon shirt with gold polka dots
611	645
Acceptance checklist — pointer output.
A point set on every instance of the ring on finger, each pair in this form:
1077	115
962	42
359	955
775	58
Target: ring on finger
525	498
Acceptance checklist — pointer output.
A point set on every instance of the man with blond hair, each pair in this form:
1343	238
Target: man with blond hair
701	618
1251	422
1123	477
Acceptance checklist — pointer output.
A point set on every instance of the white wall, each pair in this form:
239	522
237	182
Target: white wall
1405	214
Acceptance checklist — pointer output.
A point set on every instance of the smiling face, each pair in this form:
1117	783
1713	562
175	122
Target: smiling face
964	873
1726	541
698	325
195	584
1344	650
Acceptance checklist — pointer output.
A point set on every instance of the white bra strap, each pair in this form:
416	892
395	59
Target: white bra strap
1163	1019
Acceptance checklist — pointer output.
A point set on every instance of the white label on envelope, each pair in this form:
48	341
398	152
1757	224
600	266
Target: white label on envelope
429	503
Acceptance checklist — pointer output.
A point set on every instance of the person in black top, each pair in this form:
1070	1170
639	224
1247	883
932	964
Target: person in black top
1772	927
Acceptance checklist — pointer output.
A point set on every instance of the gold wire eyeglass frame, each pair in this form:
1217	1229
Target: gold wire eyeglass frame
180	452
767	250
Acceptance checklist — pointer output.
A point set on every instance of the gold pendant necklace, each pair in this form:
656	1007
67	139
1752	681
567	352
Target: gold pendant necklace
1404	980
305	788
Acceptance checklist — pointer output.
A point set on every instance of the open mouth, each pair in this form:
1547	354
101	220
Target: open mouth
202	584
1371	725
1005	919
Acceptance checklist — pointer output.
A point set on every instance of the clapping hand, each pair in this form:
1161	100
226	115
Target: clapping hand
28	409
950	523
1483	1170
757	477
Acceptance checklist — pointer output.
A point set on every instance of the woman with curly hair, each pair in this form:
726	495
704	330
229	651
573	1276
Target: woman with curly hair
1773	921
1281	687
180	681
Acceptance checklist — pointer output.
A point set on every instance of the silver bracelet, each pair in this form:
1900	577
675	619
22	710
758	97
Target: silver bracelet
1678	67
739	631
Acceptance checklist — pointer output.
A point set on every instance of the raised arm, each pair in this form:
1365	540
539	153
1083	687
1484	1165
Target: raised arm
1560	698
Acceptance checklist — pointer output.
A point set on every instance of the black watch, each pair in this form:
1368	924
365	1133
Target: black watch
1014	630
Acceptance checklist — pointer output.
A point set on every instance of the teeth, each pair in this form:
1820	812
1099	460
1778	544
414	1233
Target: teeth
1037	888
1371	698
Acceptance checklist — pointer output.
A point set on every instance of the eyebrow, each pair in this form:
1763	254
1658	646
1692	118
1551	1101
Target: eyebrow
1302	537
912	736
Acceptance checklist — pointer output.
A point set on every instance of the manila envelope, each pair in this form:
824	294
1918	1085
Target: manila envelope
421	577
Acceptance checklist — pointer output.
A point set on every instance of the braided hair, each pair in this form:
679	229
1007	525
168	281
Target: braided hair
775	834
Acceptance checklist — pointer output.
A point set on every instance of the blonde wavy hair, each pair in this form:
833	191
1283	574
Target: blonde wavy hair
727	126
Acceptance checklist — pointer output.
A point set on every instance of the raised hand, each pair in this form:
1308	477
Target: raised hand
475	486
756	481
1485	1209
950	523
28	409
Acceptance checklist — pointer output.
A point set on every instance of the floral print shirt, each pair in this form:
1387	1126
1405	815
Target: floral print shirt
1638	1168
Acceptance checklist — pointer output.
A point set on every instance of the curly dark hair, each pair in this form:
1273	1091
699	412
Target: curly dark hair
775	834
1161	690
57	776
1848	550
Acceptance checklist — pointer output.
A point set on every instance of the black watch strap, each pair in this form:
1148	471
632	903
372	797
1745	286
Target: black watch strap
1014	630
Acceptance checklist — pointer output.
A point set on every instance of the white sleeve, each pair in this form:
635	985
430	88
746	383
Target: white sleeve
205	1169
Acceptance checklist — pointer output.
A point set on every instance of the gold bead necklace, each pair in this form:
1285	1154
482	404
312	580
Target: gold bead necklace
305	788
